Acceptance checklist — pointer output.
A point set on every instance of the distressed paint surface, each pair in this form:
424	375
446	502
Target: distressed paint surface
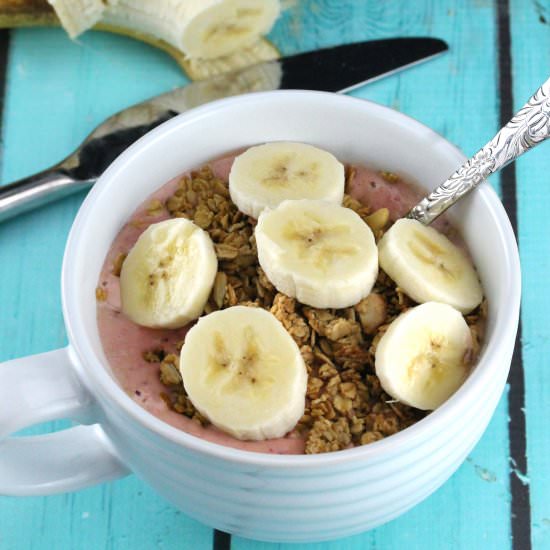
58	90
531	66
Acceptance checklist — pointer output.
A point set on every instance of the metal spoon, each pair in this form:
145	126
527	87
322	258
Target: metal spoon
528	127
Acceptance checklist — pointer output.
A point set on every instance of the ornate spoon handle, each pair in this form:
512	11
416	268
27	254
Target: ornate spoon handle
528	127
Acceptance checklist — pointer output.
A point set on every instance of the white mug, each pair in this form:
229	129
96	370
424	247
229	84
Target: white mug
256	495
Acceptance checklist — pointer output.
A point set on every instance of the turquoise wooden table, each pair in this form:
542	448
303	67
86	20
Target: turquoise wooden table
57	90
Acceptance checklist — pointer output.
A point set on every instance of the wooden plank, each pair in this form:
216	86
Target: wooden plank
520	522
78	87
531	61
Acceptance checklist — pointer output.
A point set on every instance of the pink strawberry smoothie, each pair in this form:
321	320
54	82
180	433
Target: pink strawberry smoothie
124	341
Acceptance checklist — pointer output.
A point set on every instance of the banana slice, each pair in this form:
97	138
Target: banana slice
168	274
266	175
244	372
427	266
202	29
322	254
425	355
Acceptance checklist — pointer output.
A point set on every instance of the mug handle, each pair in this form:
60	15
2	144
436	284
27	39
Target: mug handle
40	388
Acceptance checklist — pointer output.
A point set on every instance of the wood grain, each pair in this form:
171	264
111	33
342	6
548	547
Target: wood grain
530	65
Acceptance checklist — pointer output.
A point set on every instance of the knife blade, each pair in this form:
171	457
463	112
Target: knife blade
336	69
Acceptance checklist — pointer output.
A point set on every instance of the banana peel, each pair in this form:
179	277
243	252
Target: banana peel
39	13
27	13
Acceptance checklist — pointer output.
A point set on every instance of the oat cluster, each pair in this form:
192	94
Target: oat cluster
345	404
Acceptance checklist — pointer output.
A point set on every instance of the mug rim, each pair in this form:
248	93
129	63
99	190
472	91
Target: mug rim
80	342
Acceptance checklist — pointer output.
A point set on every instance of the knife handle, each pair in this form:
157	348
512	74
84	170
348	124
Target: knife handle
37	190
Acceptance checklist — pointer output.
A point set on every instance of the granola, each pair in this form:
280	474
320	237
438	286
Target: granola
345	404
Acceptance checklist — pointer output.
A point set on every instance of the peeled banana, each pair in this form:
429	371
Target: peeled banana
76	16
258	52
201	29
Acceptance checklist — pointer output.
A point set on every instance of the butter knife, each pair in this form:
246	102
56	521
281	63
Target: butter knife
337	69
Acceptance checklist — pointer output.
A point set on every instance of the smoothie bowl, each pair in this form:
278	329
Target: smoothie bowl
307	485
